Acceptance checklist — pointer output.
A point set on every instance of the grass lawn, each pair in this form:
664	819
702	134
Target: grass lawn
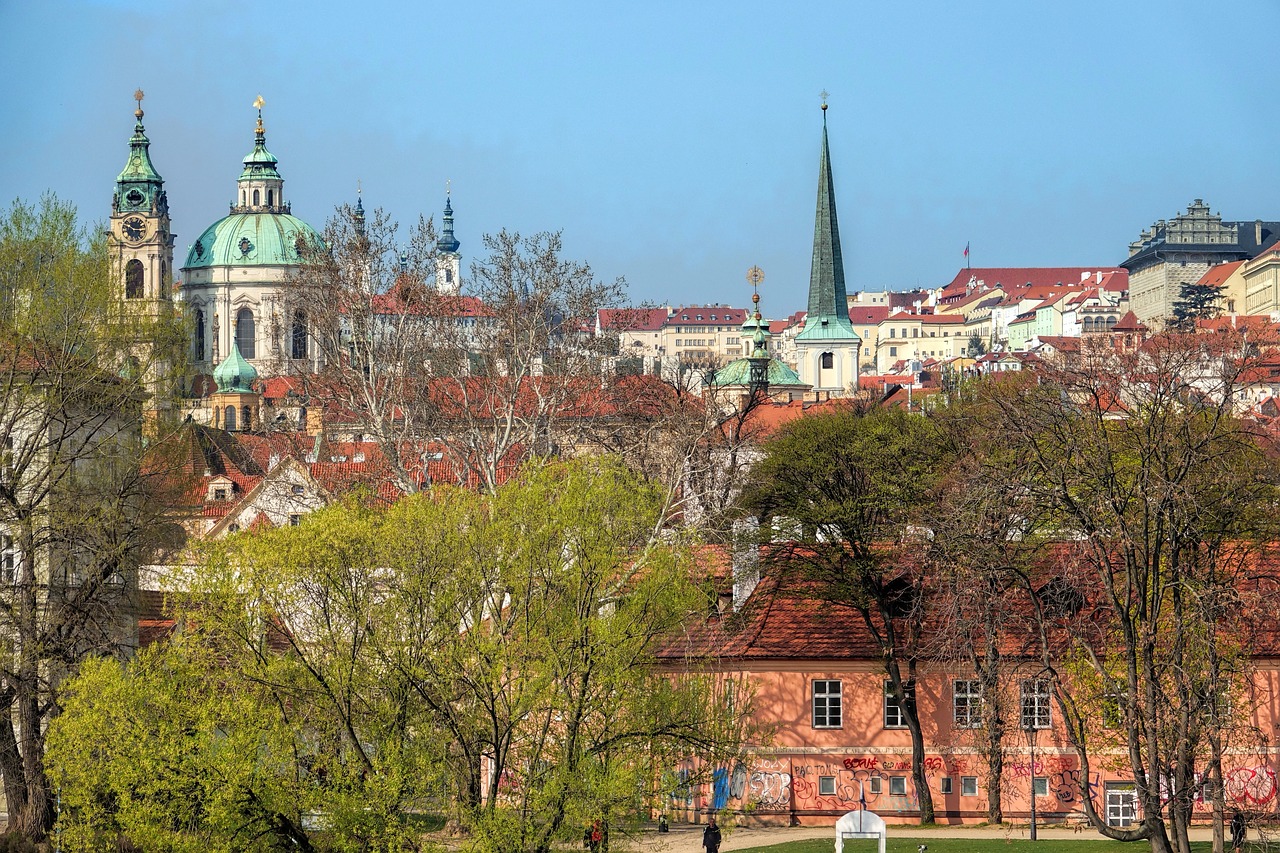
978	845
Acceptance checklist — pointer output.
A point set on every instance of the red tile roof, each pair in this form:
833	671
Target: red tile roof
711	314
1217	275
1129	323
1022	277
631	319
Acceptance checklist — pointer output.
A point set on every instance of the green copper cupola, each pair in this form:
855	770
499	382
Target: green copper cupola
260	187
235	375
139	186
828	315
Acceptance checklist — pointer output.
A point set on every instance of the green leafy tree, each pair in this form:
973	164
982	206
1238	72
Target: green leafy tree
493	655
78	509
845	488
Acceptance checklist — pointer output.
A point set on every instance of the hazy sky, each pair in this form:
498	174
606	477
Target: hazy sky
673	143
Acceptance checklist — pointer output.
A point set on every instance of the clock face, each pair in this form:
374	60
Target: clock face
134	228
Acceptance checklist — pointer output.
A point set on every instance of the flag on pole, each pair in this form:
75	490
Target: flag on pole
966	250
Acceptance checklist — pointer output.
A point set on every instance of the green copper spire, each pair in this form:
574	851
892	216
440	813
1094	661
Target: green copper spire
828	303
139	186
235	375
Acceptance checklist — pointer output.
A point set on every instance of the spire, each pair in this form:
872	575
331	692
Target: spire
447	242
359	212
759	358
828	301
139	186
260	186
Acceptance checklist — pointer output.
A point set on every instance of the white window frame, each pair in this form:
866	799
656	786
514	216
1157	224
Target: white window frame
827	703
897	786
894	717
968	786
826	786
966	703
1040	784
877	785
944	785
1034	708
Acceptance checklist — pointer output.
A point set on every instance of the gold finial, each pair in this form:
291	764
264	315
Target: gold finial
824	94
755	275
138	95
446	186
257	103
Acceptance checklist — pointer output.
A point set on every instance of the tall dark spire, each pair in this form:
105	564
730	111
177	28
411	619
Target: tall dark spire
447	242
828	301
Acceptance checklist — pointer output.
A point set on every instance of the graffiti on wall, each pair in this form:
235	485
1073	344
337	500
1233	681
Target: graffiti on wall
770	785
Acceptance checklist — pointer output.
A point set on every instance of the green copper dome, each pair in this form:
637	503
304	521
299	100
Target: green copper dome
252	239
234	375
738	373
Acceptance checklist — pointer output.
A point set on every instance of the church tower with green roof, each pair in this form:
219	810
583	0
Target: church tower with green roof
140	241
827	347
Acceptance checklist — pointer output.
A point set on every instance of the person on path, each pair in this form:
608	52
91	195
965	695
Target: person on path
711	836
1237	831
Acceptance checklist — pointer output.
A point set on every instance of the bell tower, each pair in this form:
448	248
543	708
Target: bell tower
448	261
141	243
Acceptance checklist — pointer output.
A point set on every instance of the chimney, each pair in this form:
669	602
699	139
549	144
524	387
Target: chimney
746	560
1257	232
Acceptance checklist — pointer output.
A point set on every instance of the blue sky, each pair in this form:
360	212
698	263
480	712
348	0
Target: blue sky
675	144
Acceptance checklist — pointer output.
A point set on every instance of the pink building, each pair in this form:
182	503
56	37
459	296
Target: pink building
838	741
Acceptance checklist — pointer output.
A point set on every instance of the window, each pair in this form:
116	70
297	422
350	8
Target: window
199	344
893	716
897	786
1040	785
233	528
966	704
968	786
875	785
296	489
246	338
255	198
8	558
271	197
828	361
827	786
133	279
945	785
295	520
246	418
826	705
1035	704
893	351
298	338
219	494
229	423
893	333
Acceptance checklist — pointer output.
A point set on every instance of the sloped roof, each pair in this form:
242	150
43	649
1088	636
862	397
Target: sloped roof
631	319
1217	275
1129	323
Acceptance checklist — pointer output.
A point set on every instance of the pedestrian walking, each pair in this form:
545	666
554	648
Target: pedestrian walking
711	836
1237	831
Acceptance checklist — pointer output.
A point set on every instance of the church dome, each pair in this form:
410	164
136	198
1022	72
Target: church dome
737	373
252	239
261	229
235	375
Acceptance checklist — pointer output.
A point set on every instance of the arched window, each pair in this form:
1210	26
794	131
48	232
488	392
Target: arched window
245	339
828	361
271	198
199	347
229	422
255	198
242	200
298	340
133	279
448	275
246	419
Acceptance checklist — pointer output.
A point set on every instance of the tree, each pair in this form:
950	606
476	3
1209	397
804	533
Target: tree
493	374
492	655
1160	498
78	509
844	487
1195	301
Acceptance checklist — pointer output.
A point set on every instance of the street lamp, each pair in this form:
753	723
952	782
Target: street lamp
1029	726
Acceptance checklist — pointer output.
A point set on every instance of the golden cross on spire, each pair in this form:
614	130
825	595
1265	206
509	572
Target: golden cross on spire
824	94
257	103
358	188
138	95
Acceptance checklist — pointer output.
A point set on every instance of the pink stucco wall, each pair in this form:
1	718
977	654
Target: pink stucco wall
781	781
